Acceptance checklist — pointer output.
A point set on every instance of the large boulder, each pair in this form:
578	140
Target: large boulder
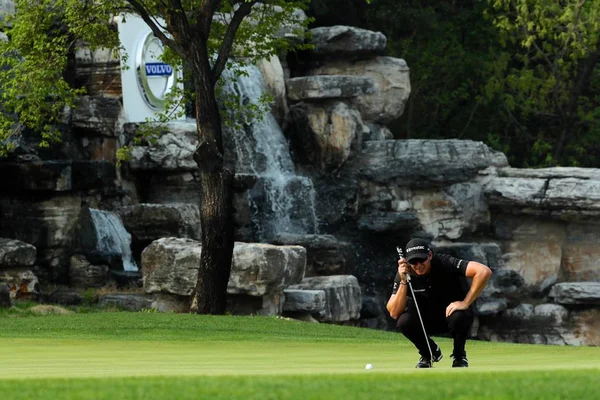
342	296
561	193
170	265
392	86
173	151
323	135
346	42
325	255
543	324
14	253
259	269
423	163
572	293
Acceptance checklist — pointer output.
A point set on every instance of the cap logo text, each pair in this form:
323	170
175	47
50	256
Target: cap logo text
415	248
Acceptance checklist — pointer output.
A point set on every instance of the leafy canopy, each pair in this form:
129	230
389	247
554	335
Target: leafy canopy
542	76
43	34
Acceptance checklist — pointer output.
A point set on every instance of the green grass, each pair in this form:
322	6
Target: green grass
173	356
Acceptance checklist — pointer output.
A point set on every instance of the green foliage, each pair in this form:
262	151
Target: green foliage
509	73
34	91
448	47
33	88
543	77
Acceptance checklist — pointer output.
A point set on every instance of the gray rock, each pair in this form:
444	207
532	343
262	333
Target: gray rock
534	250
346	41
58	175
173	151
490	306
65	297
392	84
44	222
576	293
378	132
557	313
14	253
388	221
323	135
325	255
148	222
343	296
178	187
259	269
170	265
85	275
309	301
548	192
329	87
440	162
96	115
126	301
268	305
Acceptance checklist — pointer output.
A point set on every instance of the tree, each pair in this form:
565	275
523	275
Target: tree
200	35
545	80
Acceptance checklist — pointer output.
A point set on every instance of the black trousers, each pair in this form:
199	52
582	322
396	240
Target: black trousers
457	325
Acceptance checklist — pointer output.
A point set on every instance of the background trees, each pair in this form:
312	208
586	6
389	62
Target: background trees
520	75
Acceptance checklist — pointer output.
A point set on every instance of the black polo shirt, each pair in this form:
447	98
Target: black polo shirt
445	283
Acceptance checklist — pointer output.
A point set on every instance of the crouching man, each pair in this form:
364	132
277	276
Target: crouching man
442	296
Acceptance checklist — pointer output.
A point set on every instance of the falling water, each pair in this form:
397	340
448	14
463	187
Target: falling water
112	237
282	202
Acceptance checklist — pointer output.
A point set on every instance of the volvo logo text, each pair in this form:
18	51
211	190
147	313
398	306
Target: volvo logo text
155	78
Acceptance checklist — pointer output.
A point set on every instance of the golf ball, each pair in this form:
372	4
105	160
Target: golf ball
369	366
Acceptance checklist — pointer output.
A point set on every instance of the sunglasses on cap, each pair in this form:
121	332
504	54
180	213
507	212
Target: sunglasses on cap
416	261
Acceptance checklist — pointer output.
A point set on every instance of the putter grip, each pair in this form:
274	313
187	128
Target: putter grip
401	255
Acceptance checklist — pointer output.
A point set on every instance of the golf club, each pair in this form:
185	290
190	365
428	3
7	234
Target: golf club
400	254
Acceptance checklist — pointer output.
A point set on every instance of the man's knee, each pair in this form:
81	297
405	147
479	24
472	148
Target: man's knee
405	322
460	319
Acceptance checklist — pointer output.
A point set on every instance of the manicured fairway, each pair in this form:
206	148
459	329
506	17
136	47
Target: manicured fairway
149	355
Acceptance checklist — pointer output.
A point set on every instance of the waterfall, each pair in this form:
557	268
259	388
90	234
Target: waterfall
111	237
281	202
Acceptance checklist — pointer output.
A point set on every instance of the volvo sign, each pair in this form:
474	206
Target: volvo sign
146	80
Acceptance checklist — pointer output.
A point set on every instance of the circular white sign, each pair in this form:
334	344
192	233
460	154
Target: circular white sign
155	78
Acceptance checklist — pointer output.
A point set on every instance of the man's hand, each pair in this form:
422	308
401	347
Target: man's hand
456	305
403	269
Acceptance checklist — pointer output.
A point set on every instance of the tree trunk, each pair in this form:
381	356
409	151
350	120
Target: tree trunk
216	211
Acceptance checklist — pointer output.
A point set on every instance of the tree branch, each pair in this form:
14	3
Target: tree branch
239	15
470	119
154	26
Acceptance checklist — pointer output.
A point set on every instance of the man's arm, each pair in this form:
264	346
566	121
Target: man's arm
480	274
397	302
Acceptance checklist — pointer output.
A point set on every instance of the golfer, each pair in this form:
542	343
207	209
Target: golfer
443	298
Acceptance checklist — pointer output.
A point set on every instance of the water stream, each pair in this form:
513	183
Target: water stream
281	201
112	237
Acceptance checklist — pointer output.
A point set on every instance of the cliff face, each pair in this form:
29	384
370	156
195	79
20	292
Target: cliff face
537	229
